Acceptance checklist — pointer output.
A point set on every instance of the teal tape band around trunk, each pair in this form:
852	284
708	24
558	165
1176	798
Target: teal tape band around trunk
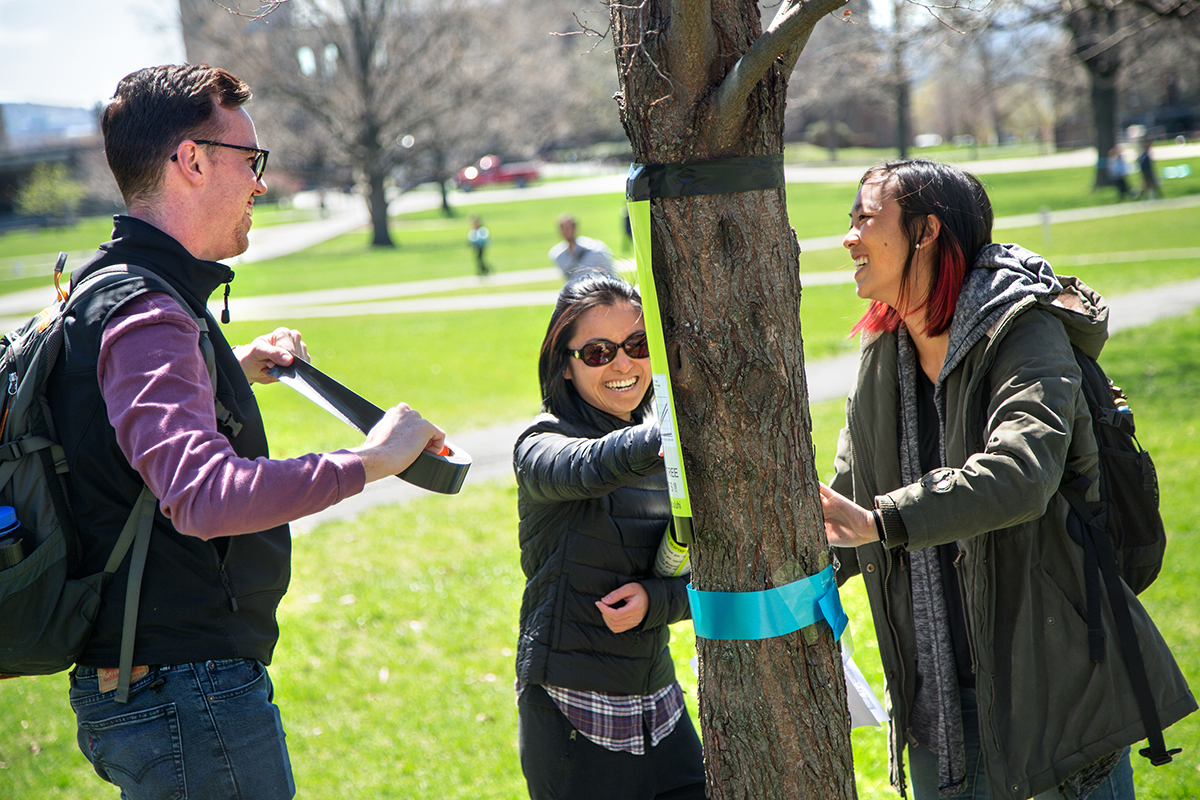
769	613
720	176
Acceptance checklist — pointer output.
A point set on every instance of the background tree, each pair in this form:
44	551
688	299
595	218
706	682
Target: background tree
344	81
702	81
387	94
835	97
998	89
1104	34
50	193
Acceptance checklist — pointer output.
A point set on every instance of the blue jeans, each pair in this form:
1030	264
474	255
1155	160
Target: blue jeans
205	730
923	768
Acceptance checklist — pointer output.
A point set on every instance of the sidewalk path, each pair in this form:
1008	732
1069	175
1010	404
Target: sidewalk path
828	379
276	240
348	212
491	448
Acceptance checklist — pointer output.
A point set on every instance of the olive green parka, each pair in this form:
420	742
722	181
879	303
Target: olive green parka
1012	416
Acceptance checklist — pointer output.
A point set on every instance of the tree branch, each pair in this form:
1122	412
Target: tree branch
265	7
785	38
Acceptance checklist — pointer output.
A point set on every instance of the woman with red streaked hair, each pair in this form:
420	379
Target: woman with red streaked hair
966	413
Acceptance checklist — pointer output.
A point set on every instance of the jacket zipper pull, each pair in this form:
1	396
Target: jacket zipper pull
61	293
233	605
225	312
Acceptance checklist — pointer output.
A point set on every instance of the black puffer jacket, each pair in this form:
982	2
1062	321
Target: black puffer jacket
593	506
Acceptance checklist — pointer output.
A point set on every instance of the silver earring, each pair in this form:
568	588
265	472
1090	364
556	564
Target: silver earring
918	246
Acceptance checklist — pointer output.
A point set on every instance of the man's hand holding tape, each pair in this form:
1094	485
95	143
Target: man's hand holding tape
279	346
391	446
396	441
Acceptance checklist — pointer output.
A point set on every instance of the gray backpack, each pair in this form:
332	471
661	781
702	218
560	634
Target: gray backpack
47	616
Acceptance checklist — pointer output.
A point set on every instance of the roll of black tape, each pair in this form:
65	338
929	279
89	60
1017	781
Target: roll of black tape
438	472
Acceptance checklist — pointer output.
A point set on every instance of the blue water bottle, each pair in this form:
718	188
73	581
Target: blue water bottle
12	550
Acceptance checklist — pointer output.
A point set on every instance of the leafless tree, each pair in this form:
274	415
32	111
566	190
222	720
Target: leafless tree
1102	34
350	79
991	80
836	89
405	91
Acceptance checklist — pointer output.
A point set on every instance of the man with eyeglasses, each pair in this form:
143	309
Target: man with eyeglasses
136	405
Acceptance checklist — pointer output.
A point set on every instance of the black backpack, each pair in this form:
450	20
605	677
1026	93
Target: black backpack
1122	533
46	616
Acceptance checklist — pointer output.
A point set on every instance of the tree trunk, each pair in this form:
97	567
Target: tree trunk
831	132
1104	117
1093	33
377	204
772	711
900	76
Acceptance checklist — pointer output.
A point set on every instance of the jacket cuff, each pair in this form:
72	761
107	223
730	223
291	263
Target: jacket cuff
894	534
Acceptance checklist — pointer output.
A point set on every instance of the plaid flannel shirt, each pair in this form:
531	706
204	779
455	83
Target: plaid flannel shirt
619	721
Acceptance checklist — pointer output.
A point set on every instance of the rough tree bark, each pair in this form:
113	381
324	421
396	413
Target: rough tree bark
701	81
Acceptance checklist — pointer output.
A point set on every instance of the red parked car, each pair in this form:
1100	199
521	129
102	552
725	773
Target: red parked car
489	170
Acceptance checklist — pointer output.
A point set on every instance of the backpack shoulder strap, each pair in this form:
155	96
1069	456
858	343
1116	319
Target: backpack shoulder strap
224	416
1157	751
139	525
158	284
136	532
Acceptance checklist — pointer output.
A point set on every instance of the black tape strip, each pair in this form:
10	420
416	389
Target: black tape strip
437	473
721	176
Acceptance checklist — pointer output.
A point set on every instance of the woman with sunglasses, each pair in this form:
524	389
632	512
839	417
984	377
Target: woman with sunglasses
600	712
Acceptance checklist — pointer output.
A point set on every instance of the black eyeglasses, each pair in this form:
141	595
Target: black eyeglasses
260	155
599	353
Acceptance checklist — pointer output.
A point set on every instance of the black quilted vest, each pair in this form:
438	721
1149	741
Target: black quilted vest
199	600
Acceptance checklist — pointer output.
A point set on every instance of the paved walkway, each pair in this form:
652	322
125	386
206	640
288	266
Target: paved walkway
828	379
491	448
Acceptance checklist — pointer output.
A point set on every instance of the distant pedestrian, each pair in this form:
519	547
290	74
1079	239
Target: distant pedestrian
1149	178
1117	170
479	238
577	255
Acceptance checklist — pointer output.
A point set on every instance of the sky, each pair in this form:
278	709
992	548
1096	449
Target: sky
74	52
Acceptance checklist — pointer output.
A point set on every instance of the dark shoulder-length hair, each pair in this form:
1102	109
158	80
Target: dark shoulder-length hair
577	298
961	204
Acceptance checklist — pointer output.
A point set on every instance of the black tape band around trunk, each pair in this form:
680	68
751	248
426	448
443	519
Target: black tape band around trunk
720	176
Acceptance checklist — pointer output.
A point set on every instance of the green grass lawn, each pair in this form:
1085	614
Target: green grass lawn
433	246
462	371
395	669
394	673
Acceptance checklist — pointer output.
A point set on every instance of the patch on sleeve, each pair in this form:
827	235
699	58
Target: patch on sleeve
939	481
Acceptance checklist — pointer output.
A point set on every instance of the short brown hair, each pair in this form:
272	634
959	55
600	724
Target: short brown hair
156	108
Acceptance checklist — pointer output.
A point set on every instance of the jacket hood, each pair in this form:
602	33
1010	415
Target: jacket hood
1007	275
